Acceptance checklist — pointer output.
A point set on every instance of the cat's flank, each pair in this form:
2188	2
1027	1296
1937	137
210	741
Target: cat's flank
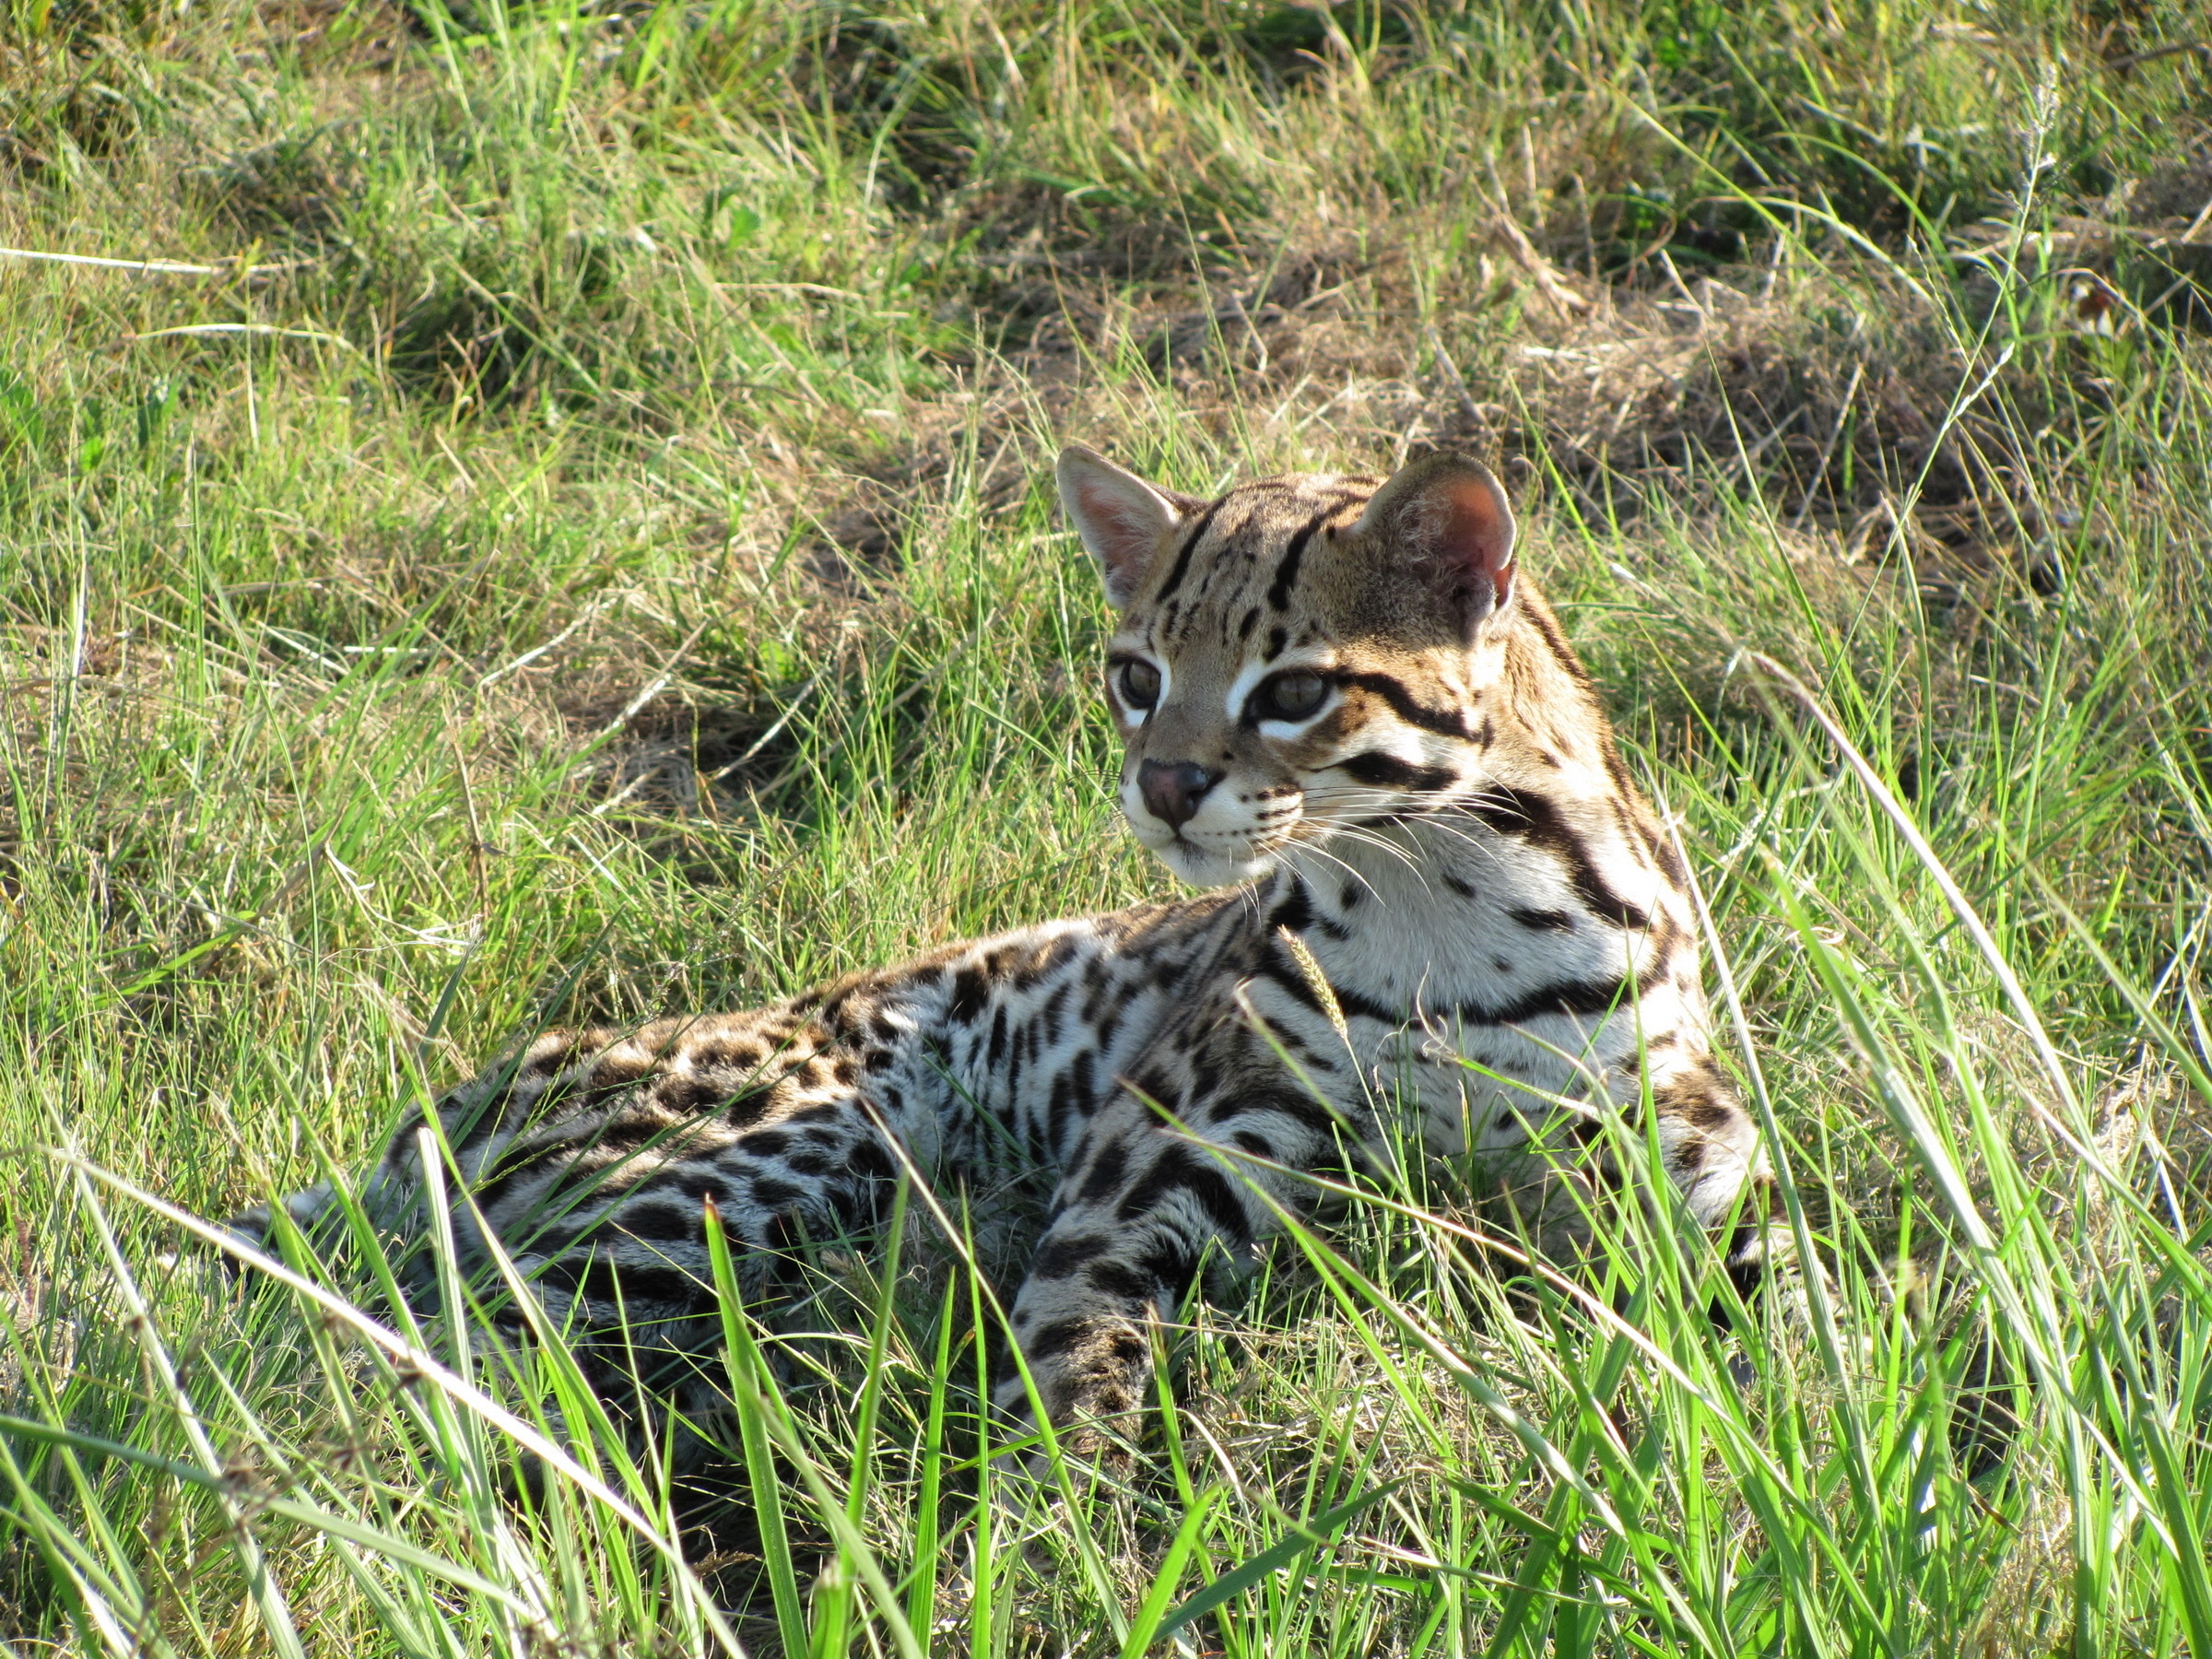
1338	694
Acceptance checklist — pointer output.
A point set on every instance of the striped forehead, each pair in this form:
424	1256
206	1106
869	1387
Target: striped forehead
1233	577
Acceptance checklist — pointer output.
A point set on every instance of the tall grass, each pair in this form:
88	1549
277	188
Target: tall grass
578	552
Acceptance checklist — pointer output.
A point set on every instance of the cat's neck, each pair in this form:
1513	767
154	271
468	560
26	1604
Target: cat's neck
1425	906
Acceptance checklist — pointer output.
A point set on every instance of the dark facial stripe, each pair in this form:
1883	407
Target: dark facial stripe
1182	557
1557	642
1286	573
1445	723
1538	820
1387	771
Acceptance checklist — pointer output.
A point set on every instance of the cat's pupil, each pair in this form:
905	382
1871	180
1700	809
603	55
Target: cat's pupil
1140	685
1290	696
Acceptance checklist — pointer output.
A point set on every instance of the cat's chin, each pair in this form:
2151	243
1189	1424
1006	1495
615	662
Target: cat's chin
1203	869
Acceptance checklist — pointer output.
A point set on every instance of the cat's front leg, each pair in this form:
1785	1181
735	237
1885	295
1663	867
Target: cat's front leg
1147	1207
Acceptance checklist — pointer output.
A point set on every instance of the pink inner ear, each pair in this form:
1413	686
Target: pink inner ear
1126	536
1477	529
1479	536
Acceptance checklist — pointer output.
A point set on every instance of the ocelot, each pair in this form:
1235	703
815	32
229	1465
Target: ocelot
1437	892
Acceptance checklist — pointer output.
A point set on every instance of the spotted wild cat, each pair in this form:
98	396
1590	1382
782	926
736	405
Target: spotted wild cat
1337	692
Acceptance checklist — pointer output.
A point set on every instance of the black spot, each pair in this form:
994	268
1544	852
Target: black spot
1258	1144
869	1159
1246	623
1156	1087
1296	911
1179	1169
1698	1099
1106	1172
1351	895
1387	771
1049	1341
1459	885
597	1279
657	1217
1205	1075
692	1181
1121	1281
610	1079
1064	1257
687	1096
1542	920
971	989
1279	638
770	1193
747	1107
1170	1262
1499	965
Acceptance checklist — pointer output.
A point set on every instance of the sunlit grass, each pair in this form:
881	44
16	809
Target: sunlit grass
601	569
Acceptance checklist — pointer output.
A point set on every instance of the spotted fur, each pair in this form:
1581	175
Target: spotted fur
1347	711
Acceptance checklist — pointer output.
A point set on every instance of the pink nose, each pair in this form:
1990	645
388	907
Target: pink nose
1173	789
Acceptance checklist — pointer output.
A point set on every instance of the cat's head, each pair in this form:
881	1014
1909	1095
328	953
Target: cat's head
1303	655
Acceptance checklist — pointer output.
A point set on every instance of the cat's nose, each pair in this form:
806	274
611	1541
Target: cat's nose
1173	789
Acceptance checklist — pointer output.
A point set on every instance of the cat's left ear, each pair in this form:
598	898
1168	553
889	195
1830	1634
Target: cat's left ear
1451	518
1122	520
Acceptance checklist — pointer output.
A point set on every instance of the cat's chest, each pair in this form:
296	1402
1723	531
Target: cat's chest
1482	931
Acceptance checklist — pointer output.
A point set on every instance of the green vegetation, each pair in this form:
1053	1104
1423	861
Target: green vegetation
576	548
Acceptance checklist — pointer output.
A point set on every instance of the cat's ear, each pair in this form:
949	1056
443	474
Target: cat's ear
1449	518
1122	520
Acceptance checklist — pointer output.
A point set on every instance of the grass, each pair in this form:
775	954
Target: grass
578	551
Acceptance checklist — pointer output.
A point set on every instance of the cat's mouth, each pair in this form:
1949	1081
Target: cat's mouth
1209	858
1210	867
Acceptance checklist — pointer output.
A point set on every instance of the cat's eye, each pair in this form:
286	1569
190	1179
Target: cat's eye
1292	696
1138	683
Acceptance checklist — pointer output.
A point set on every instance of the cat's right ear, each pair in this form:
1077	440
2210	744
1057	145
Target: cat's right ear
1122	520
